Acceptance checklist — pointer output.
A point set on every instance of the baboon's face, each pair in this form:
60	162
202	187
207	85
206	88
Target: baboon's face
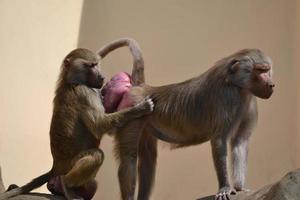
83	68
253	71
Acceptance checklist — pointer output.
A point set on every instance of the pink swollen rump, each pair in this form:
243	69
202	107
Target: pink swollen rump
116	93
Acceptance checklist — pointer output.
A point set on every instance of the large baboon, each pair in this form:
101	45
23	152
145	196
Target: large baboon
217	106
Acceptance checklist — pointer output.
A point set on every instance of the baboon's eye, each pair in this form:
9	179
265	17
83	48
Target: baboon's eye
94	64
262	68
91	65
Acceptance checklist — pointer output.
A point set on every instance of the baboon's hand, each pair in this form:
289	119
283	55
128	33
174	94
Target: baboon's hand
146	106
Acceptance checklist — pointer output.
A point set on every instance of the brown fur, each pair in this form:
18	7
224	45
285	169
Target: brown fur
219	105
78	124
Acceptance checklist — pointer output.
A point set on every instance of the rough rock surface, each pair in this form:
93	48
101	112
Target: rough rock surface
37	196
288	188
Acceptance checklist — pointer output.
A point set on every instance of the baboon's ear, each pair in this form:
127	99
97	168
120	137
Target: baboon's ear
233	66
67	62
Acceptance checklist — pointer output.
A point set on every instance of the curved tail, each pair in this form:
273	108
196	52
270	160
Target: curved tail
35	183
137	74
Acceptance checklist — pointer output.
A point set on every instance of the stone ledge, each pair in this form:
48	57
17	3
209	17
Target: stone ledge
288	188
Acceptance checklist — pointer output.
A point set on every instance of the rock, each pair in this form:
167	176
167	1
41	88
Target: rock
288	188
37	196
30	196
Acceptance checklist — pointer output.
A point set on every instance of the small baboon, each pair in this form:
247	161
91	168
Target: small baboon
77	126
219	105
